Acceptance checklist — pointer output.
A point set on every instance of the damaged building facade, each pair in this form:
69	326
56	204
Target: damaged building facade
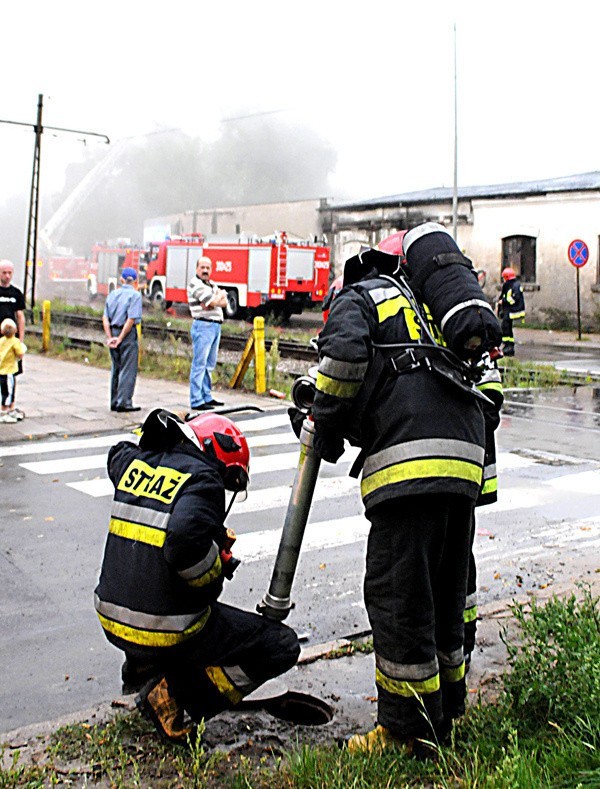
527	226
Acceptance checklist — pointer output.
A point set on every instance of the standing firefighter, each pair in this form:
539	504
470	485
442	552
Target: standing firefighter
511	307
491	385
166	556
386	383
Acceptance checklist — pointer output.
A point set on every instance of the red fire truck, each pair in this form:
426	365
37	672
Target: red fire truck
63	274
66	268
275	272
108	259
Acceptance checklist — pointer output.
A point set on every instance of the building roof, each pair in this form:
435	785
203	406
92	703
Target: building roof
568	183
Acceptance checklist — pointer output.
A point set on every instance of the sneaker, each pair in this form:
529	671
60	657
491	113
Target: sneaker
160	708
17	414
7	418
214	403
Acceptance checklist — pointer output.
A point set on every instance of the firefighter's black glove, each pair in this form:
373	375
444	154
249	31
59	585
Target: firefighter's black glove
229	564
297	418
328	444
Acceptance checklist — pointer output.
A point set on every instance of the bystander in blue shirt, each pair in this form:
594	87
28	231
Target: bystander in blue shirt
122	312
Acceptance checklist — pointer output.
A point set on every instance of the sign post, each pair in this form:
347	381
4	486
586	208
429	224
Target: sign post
578	254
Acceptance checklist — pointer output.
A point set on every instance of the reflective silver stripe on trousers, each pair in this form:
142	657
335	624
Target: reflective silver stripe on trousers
451	659
238	677
463	305
202	566
489	472
407	671
471	600
142	515
348	371
379	295
175	623
424	447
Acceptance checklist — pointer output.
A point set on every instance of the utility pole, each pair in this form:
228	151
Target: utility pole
34	198
34	204
455	185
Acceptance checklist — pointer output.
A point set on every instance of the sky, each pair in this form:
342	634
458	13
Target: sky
374	78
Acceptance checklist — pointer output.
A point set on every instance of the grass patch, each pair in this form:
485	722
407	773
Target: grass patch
363	647
543	731
516	374
169	360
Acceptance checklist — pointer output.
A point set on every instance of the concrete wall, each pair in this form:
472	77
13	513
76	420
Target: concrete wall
553	220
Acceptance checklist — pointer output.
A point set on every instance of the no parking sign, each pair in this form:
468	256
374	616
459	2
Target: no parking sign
578	254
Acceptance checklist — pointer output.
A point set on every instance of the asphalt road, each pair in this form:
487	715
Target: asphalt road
544	531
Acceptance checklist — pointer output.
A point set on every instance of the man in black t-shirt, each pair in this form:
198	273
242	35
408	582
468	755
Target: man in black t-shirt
12	305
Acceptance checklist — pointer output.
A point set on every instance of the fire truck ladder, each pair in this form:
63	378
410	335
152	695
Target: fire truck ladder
281	278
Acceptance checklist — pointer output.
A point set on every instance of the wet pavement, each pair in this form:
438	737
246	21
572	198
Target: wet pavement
552	436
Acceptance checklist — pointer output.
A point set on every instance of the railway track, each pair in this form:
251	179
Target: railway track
81	331
65	327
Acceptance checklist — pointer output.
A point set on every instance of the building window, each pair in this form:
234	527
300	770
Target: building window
518	252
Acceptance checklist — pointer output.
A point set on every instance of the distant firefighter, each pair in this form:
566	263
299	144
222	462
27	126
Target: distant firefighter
511	307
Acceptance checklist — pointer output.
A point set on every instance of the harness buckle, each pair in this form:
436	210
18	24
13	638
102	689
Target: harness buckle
405	362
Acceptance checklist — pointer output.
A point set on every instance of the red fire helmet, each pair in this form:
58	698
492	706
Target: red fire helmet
508	273
393	244
219	434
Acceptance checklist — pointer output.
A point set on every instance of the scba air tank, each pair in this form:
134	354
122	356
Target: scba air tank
444	279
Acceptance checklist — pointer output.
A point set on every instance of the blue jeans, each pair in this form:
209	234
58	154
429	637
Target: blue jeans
205	341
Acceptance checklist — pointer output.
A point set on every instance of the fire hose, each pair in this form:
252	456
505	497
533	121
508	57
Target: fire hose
277	604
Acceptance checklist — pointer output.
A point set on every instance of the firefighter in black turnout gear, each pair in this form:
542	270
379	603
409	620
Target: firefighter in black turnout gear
386	382
490	384
511	307
166	556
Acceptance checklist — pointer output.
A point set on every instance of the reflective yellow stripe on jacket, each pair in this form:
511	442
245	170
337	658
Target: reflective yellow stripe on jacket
149	630
204	571
141	524
340	379
421	459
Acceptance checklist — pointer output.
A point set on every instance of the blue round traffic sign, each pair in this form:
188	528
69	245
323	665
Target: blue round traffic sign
578	253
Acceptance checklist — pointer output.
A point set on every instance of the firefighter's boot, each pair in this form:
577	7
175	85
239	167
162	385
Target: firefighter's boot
158	706
377	740
380	739
135	675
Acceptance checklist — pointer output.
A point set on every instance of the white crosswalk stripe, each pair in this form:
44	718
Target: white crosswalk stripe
528	481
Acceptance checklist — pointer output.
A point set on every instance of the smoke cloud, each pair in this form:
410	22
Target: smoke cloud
266	160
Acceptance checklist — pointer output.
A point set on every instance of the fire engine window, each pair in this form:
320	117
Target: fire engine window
519	252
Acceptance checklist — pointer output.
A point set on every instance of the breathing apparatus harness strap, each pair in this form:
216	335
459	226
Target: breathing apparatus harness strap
428	354
413	356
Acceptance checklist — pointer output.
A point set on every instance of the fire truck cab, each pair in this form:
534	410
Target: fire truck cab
108	259
255	272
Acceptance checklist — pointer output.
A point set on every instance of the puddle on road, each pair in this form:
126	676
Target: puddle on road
569	405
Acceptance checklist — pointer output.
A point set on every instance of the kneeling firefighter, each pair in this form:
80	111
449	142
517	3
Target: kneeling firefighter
166	556
396	359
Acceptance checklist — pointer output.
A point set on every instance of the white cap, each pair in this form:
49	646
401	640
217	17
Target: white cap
421	230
